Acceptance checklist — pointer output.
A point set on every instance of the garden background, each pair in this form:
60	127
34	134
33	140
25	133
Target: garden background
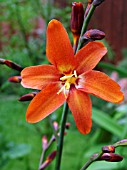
22	40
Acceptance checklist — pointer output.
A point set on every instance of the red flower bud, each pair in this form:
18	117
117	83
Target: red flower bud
67	125
48	160
94	34
111	157
13	65
108	149
15	79
77	17
28	97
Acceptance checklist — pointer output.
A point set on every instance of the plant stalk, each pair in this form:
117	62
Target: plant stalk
61	138
91	160
85	24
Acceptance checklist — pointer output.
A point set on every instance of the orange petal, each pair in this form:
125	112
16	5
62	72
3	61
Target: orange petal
99	84
58	48
81	107
37	77
89	56
44	103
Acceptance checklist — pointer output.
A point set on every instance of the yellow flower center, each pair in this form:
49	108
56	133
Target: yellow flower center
68	80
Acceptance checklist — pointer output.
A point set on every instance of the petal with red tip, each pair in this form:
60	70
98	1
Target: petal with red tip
37	77
81	108
101	85
89	56
44	103
58	48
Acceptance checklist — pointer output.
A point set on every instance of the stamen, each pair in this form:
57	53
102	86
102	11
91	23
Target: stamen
67	80
62	89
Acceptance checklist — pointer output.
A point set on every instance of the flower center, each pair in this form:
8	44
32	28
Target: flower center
68	80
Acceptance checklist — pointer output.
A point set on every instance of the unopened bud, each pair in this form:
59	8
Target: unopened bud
55	125
94	34
121	143
68	125
28	97
111	157
108	149
15	79
13	65
77	17
97	2
44	142
48	160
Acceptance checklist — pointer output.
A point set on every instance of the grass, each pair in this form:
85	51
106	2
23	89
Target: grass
17	132
20	142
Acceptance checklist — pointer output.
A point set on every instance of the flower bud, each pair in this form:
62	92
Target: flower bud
28	97
111	157
68	125
55	125
94	34
15	79
108	149
48	160
97	2
44	142
13	65
121	143
77	17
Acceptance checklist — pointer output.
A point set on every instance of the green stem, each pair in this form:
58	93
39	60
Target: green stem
61	138
85	24
91	160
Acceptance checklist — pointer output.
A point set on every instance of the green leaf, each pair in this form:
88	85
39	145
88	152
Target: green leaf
18	151
111	67
108	123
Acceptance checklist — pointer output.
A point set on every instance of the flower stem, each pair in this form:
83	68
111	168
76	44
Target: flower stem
91	160
61	138
85	24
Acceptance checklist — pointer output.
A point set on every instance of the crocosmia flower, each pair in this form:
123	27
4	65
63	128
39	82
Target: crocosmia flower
69	78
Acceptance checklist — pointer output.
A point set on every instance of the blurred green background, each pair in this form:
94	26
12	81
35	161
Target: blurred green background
22	40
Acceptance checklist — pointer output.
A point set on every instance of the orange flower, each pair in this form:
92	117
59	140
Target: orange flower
70	78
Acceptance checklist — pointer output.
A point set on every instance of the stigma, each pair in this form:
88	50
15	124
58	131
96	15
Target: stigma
67	80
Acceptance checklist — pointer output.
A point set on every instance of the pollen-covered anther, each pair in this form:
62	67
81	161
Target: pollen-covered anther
68	80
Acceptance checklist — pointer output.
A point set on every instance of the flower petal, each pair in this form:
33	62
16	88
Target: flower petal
101	85
37	77
44	103
58	48
81	107
89	56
